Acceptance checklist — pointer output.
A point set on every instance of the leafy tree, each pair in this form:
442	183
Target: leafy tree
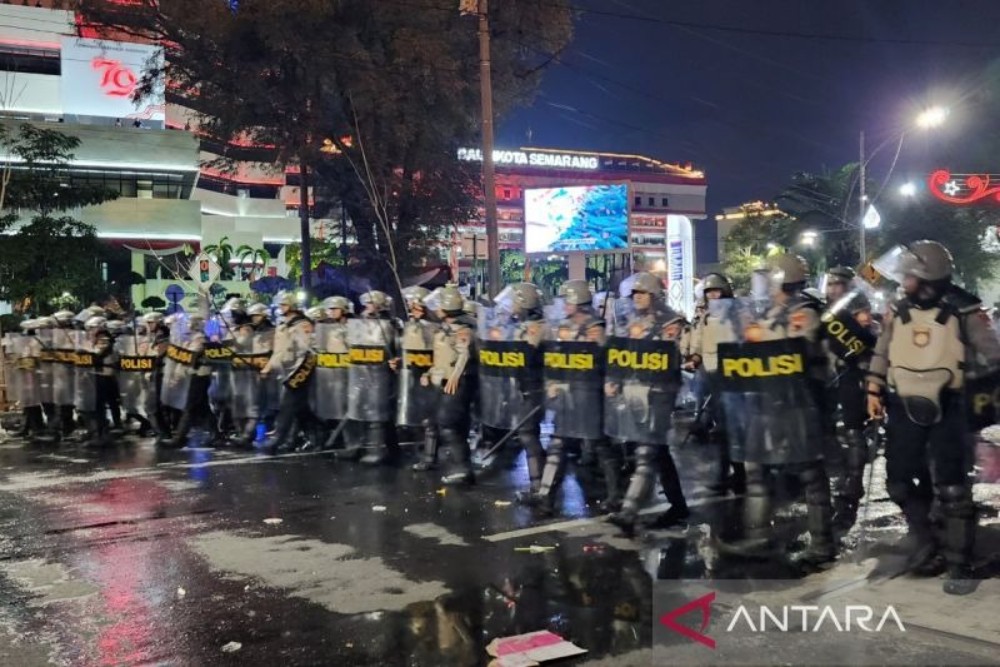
827	204
154	303
253	256
223	253
967	232
52	253
370	98
752	240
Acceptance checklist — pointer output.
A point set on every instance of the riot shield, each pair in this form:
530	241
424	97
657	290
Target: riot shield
574	388
982	399
845	336
46	365
85	373
251	352
770	410
510	372
416	400
136	363
11	376
642	378
63	372
328	398
371	396
27	351
178	367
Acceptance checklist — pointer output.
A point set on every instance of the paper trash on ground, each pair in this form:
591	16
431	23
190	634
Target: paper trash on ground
532	648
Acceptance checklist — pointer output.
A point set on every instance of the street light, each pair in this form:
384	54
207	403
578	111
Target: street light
928	118
932	117
908	190
808	238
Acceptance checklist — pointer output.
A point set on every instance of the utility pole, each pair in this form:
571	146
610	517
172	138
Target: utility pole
304	226
489	176
861	215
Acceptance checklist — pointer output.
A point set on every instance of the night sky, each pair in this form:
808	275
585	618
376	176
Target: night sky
750	108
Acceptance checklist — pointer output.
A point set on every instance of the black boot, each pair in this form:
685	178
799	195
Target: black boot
639	488
609	458
960	538
853	488
755	539
456	439
428	458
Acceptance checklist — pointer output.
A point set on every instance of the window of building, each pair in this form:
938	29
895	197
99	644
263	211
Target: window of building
664	202
652	201
506	193
638	201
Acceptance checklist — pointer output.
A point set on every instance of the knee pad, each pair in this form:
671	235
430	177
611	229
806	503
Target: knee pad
956	501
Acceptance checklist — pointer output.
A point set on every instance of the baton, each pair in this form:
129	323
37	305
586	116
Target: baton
697	418
511	432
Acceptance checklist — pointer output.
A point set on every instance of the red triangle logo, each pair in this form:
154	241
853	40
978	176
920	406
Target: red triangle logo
704	603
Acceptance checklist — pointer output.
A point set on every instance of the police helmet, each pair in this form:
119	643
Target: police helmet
285	298
379	299
450	300
719	282
315	313
258	309
648	283
115	327
63	316
787	269
153	318
237	304
576	292
415	294
840	274
29	325
341	302
196	322
96	322
526	296
46	322
928	260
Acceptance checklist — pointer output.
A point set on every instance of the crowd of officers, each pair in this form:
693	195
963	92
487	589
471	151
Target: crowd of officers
794	381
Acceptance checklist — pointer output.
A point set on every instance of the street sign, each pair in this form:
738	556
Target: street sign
204	270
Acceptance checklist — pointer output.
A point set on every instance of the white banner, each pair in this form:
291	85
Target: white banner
680	264
99	78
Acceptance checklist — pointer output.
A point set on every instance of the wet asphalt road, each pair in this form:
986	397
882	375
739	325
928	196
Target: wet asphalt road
133	556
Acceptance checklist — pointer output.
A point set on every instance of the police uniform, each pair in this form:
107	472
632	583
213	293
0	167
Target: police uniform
197	408
795	315
292	350
931	340
581	325
453	377
657	322
703	353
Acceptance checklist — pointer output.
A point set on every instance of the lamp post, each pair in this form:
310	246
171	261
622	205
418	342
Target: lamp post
927	119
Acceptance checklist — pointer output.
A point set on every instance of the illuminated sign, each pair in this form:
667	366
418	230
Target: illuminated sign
964	188
99	78
533	159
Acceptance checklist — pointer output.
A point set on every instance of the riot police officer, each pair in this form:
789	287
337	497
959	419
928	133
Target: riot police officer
291	360
848	393
28	352
416	398
574	391
529	327
646	427
196	408
786	434
704	357
453	379
933	339
374	342
101	346
157	339
331	378
63	373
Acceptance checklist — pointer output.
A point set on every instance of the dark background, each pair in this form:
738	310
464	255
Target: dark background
755	90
